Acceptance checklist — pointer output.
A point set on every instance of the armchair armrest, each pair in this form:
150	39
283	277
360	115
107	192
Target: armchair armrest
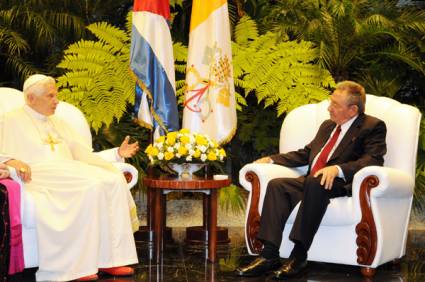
266	172
130	173
384	196
254	178
392	183
110	155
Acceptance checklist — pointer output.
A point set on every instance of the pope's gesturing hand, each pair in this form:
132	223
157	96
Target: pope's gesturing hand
127	150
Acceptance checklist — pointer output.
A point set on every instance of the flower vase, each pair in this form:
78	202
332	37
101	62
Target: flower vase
185	170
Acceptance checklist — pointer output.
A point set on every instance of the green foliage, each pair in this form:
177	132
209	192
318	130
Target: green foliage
176	2
355	36
419	195
180	57
97	78
278	73
29	30
231	199
257	135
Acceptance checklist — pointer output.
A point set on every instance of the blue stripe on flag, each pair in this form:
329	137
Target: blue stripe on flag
151	73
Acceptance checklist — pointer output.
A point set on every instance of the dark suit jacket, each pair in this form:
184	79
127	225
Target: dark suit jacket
362	145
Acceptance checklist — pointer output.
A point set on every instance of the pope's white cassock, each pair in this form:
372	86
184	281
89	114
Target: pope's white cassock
82	202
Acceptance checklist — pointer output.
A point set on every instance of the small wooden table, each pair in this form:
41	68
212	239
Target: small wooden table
158	184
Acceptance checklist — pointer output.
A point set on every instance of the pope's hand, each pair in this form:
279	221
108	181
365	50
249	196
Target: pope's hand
265	160
22	169
328	175
4	172
127	150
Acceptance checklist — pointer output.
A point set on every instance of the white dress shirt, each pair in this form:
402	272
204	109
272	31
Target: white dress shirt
344	128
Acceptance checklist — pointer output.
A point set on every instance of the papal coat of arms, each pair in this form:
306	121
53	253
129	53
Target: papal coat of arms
202	91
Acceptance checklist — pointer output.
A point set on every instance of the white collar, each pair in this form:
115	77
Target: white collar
346	125
33	113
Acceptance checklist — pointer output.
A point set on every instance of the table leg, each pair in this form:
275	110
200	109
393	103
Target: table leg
149	205
212	225
205	215
158	222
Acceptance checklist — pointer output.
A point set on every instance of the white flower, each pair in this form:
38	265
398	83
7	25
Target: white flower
202	148
159	145
203	157
161	156
170	149
189	146
177	146
191	152
189	158
178	155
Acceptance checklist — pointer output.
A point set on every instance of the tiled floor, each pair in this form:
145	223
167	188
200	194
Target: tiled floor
181	262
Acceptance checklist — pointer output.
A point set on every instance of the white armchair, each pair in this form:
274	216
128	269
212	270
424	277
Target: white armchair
11	99
367	229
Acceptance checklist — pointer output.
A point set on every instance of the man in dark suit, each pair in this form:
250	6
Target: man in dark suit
344	144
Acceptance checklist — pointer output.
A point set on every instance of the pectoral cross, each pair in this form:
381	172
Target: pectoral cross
51	141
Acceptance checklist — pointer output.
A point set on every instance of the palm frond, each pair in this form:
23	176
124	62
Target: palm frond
110	35
245	31
20	66
280	74
13	42
231	199
180	52
97	75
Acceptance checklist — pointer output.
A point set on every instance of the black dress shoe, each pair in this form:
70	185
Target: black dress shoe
258	267
291	268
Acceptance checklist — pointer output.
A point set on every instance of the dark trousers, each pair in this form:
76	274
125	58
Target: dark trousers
283	194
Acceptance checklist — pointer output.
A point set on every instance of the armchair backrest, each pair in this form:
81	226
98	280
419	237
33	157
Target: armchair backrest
402	121
11	99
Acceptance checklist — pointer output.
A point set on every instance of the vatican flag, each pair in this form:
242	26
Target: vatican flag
209	106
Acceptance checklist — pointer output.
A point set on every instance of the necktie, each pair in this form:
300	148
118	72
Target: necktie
323	157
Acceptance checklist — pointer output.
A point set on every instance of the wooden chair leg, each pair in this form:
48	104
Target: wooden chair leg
368	272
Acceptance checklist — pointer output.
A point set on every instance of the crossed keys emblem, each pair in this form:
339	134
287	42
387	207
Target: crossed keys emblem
199	92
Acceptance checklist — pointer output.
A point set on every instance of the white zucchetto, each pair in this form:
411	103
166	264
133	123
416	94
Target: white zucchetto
33	79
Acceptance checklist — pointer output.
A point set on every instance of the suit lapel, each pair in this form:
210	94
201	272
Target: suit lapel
349	137
323	136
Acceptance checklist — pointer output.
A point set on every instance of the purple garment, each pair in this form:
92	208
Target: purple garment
16	248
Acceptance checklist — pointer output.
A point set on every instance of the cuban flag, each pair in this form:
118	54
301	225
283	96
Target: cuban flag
152	63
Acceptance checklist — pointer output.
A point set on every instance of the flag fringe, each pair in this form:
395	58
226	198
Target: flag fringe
229	137
150	97
143	124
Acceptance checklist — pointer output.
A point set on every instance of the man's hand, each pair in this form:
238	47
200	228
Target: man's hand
127	150
265	160
328	175
4	172
22	169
